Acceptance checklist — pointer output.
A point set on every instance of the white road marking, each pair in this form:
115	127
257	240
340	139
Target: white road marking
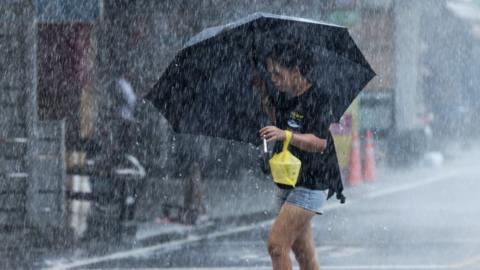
344	252
236	230
333	267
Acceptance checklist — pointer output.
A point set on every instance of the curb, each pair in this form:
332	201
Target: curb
154	233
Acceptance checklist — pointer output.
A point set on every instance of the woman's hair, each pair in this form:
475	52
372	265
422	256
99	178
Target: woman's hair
292	55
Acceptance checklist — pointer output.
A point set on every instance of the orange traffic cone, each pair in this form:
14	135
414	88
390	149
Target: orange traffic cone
354	169
369	173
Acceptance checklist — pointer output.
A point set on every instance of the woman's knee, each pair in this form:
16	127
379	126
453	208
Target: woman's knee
277	248
299	249
304	253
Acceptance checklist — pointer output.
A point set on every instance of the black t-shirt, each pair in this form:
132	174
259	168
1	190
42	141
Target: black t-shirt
310	113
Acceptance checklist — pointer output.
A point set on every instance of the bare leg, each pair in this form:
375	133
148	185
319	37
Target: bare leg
288	226
304	250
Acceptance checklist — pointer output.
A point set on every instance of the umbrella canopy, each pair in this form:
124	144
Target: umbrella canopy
207	88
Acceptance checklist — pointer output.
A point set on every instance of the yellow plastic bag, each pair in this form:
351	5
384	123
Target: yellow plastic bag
285	166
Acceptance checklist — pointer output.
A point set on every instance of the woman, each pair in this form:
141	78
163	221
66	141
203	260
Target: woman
295	107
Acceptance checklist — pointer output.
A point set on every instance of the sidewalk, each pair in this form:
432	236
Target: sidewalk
162	230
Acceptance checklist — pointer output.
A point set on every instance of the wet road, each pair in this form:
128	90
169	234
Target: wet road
424	219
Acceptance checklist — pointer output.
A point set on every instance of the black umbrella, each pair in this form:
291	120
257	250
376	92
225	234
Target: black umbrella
206	89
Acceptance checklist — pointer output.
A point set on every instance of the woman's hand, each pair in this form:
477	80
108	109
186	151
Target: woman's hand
305	142
272	133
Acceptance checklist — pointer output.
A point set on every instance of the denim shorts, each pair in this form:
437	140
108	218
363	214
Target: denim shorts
308	199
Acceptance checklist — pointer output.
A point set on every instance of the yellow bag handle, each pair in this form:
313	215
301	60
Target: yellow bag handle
286	142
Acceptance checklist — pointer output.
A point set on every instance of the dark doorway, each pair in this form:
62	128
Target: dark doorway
65	87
